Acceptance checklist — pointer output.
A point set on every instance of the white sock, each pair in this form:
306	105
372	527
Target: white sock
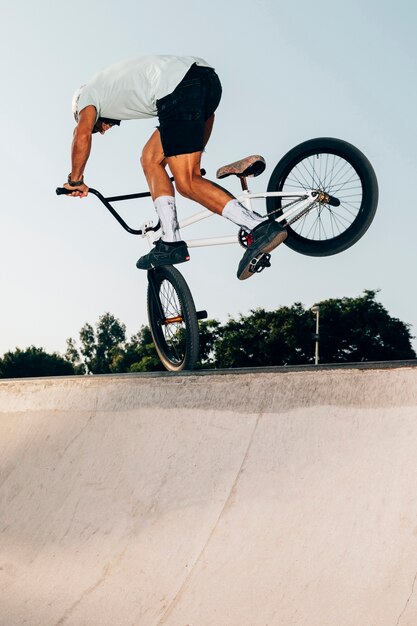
237	213
167	213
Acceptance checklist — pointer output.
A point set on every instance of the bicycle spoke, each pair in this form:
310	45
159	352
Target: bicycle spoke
172	331
335	176
301	176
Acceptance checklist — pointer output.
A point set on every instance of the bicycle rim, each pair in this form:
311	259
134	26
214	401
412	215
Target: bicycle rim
341	175
175	332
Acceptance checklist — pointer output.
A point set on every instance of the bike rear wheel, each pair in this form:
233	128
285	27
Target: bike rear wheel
346	201
172	319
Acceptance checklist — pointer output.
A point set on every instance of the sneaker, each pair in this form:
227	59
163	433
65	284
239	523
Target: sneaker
164	253
265	237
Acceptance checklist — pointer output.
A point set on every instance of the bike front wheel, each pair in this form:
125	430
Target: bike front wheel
172	319
347	196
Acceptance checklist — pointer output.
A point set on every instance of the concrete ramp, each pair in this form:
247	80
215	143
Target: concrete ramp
251	499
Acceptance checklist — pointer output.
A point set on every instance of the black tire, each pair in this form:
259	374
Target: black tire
177	341
338	169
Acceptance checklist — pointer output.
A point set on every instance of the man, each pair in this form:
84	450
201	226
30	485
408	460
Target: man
183	92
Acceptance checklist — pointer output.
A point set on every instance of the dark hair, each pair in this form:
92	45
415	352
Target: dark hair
106	120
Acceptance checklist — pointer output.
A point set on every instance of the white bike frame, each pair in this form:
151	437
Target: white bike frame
307	198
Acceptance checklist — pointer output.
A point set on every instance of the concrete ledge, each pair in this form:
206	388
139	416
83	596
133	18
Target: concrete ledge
285	496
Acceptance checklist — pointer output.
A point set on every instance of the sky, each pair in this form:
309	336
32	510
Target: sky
290	72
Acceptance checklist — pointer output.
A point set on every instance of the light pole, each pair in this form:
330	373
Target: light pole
316	309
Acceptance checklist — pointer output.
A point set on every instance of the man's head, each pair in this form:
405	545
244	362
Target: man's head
102	124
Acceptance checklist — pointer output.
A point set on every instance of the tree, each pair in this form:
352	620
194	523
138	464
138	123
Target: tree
104	349
139	354
33	362
361	329
263	338
351	330
73	356
209	331
100	347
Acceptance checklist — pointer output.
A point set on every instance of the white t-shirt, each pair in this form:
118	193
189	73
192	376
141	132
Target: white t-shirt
129	90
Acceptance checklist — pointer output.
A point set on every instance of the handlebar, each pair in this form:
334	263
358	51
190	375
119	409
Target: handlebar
62	191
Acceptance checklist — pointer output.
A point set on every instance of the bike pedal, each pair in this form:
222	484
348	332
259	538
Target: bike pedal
259	263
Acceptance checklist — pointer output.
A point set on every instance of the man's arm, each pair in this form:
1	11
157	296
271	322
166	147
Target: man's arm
81	146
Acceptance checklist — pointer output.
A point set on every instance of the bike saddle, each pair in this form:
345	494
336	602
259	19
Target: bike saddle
250	166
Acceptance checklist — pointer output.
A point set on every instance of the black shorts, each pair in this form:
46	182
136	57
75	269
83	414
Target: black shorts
182	114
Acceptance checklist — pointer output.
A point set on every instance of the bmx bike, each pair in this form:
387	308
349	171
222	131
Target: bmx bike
324	192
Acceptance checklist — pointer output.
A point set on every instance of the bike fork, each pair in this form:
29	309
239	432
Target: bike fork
155	296
162	319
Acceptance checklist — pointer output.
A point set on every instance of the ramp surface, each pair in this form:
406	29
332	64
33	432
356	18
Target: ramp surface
237	500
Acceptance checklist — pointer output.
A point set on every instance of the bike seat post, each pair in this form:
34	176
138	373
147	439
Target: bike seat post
243	183
246	197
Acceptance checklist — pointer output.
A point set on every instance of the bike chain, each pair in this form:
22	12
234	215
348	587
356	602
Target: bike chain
299	215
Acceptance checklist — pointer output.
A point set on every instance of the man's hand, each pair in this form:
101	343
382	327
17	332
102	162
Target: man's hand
81	191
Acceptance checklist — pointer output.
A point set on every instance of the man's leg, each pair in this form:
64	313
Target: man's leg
169	249
161	188
186	170
153	163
